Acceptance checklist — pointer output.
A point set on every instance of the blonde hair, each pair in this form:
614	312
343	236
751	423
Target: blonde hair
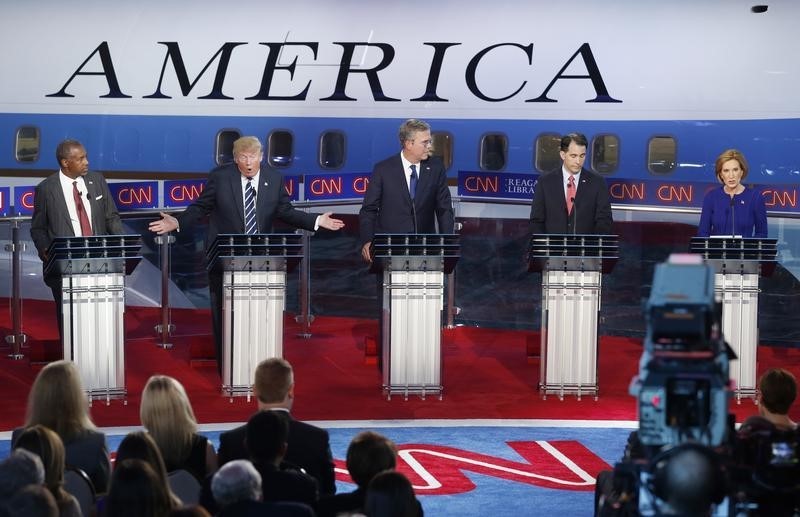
726	156
246	144
57	401
46	444
273	379
167	415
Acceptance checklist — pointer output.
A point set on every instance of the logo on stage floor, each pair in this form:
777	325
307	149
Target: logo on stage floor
440	470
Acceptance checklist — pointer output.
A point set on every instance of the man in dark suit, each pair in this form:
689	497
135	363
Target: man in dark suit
308	446
73	202
224	200
407	192
571	199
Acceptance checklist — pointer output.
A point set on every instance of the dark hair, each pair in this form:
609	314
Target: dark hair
267	433
778	390
369	454
64	147
390	494
578	138
136	490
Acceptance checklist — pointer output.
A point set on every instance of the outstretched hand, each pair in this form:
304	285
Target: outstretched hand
326	221
365	252
166	224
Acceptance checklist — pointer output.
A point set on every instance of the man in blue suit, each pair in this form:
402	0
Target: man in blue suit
407	192
571	199
223	200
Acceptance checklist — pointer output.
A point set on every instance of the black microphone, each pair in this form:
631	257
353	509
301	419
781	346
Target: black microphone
414	215
574	215
733	219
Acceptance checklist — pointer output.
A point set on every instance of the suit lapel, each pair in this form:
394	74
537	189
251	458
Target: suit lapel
399	179
425	180
91	191
58	193
235	186
261	198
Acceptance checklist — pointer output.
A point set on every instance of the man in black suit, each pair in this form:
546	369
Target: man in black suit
224	200
308	446
74	202
407	192
571	199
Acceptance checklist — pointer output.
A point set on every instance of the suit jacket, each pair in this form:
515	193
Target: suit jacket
259	509
591	212
309	448
223	202
388	208
51	217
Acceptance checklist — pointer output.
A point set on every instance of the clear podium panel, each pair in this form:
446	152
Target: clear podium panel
738	294
93	307
412	352
252	325
570	307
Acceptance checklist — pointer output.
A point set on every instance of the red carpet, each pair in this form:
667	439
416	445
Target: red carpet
486	375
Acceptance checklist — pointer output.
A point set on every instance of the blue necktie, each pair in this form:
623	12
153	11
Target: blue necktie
250	226
412	185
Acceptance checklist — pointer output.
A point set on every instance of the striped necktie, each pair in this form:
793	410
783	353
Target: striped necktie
250	226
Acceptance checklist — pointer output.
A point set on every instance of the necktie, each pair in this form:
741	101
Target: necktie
250	226
412	185
570	194
86	228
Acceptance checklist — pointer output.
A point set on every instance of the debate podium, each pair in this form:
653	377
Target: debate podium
92	271
413	268
738	263
572	267
253	269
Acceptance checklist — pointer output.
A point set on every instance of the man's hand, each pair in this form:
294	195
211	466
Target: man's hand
326	221
166	224
365	254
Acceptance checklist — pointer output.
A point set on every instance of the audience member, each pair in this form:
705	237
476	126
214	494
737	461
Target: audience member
47	445
22	467
58	401
167	415
139	445
777	391
194	510
136	491
390	494
368	454
237	491
32	501
308	446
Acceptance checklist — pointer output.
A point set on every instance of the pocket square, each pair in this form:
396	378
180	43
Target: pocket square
98	198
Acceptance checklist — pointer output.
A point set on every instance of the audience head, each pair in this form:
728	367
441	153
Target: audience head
57	400
390	494
687	482
267	436
167	415
22	467
136	491
47	445
32	501
778	389
139	445
368	454
274	383
237	480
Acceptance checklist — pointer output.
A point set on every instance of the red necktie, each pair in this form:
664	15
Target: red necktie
86	228
570	193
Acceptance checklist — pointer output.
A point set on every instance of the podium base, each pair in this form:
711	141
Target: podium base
238	391
568	389
421	390
108	395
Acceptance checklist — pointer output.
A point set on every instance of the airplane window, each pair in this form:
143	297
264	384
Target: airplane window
547	149
27	144
494	152
661	154
224	147
605	153
279	148
443	148
332	147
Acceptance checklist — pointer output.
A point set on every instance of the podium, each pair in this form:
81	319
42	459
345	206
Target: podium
92	271
253	269
738	262
413	267
572	267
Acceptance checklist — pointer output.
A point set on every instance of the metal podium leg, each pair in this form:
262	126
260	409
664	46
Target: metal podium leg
739	296
570	307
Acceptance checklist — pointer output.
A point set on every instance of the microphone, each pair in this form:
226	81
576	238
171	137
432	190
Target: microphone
733	218
414	215
574	215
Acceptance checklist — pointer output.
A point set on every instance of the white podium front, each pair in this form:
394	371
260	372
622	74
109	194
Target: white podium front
572	268
254	269
93	273
738	263
414	267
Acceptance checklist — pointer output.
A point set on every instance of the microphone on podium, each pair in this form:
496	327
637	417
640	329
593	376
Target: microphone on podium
574	215
733	219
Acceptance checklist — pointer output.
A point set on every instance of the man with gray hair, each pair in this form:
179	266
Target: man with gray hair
237	490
